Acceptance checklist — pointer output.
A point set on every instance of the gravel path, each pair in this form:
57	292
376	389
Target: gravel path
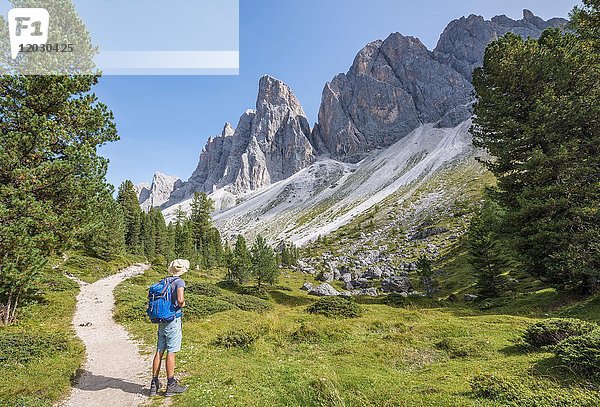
115	373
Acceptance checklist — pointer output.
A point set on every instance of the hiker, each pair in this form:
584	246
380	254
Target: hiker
170	333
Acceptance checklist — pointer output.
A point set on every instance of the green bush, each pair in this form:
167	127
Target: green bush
20	347
58	282
248	302
199	306
581	353
207	289
245	290
335	307
510	392
235	339
554	330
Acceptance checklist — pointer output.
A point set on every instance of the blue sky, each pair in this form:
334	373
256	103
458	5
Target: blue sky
165	121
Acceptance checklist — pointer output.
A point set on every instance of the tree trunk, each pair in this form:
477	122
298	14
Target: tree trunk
8	310
14	307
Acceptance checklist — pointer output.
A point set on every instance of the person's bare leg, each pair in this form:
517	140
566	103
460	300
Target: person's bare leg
156	363
170	365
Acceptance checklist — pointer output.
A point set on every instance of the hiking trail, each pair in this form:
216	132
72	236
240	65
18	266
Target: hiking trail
114	372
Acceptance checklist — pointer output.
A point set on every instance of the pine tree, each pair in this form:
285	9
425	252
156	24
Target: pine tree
538	115
425	271
159	231
264	262
132	213
105	236
486	249
50	172
241	262
183	236
202	207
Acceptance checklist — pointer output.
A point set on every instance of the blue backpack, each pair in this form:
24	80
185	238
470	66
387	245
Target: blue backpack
161	307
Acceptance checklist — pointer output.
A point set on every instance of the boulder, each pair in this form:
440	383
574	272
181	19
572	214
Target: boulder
323	290
398	284
307	286
326	277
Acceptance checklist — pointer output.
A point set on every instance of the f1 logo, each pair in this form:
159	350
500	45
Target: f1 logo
27	26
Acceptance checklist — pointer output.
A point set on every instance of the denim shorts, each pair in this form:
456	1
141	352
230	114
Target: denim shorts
169	336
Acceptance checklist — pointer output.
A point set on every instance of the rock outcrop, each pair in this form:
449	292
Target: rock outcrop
396	85
159	192
463	42
269	144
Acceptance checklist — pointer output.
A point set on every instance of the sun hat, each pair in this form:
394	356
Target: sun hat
178	267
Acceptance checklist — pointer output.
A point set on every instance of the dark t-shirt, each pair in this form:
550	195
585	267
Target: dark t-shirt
176	283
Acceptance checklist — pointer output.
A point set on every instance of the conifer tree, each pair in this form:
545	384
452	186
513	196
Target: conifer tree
132	213
487	255
241	262
105	236
264	262
425	271
538	115
50	173
183	236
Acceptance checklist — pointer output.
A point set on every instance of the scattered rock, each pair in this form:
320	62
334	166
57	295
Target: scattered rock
307	286
471	297
324	290
398	284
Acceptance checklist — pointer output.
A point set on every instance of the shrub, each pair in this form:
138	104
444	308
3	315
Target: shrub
54	281
243	289
198	306
581	353
207	289
510	392
492	387
20	347
554	330
335	307
248	303
235	339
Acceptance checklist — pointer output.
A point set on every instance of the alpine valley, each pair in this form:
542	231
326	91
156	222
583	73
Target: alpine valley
392	139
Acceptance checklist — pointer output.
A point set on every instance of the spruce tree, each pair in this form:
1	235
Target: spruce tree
487	252
132	213
50	172
538	115
264	262
425	271
241	262
105	236
183	237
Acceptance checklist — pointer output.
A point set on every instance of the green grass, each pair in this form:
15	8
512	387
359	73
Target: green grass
40	352
423	352
90	269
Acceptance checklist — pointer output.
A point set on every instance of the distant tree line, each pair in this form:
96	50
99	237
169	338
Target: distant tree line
538	115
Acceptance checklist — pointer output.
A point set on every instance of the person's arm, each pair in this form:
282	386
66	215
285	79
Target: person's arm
180	297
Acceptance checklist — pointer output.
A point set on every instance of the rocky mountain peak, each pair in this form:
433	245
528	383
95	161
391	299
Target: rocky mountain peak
397	84
228	130
275	94
269	144
158	192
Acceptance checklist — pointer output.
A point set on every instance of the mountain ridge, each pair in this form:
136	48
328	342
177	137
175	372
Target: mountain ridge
393	88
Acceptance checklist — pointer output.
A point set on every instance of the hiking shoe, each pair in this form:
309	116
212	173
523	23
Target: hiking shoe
154	387
175	388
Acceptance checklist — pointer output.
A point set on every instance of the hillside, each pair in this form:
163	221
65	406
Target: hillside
399	114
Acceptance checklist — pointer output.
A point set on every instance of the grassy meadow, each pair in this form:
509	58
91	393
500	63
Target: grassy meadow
244	347
40	354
